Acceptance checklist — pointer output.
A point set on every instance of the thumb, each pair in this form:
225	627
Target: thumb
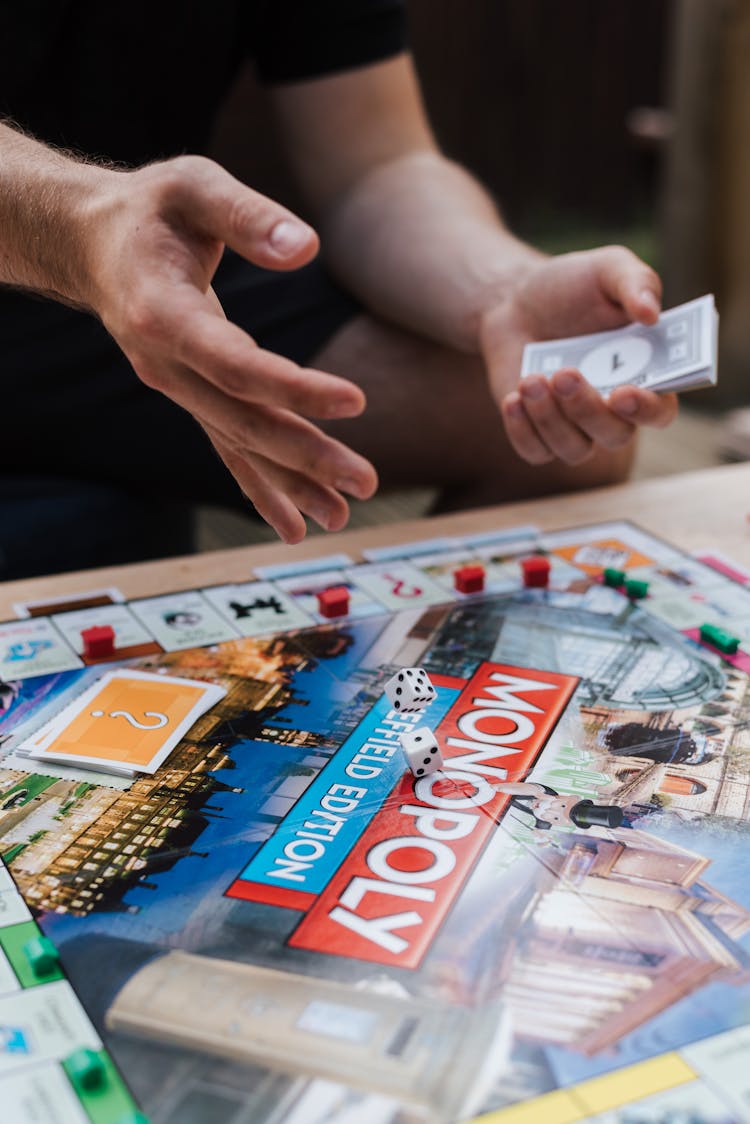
212	201
630	283
215	303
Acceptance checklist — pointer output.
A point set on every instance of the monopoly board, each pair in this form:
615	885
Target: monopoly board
280	923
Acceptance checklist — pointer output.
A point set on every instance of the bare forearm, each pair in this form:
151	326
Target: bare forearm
421	242
45	203
140	249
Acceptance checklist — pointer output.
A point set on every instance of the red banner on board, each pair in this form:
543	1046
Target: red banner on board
389	898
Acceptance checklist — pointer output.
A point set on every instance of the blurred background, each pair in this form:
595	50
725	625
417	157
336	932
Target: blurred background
591	121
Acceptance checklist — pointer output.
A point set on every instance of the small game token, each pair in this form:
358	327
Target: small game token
719	638
410	690
635	589
334	602
41	955
536	571
613	578
98	641
86	1070
469	579
422	751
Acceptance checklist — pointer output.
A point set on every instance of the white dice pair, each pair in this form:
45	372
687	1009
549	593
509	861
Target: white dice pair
422	751
410	690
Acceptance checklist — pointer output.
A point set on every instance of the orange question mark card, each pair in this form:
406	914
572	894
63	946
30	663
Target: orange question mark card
128	719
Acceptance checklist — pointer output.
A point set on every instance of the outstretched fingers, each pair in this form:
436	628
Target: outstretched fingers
284	463
272	505
189	330
165	227
231	360
280	496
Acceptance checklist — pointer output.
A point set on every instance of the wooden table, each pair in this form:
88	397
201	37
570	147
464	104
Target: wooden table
691	510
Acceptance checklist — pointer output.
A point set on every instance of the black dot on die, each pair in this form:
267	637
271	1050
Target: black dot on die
401	677
419	772
426	761
397	704
417	737
434	749
398	690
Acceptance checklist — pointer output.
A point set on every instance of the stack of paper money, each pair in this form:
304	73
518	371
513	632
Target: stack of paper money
677	353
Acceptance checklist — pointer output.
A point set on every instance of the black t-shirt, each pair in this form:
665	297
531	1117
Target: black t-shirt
144	79
132	82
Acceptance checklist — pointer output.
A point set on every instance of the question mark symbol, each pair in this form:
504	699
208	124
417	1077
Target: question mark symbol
399	588
161	719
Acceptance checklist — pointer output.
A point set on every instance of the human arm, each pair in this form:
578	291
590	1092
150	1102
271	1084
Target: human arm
139	250
422	244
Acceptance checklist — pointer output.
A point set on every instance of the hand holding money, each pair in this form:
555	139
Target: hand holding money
678	352
562	416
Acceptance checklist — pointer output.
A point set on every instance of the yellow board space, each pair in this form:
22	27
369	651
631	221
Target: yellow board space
560	1107
600	1094
634	1082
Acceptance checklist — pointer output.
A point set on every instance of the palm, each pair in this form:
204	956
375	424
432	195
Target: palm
560	297
574	294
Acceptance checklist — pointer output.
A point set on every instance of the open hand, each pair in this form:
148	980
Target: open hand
156	238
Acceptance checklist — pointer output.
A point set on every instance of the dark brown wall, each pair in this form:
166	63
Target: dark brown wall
533	95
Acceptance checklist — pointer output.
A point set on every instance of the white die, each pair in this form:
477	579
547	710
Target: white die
410	690
422	751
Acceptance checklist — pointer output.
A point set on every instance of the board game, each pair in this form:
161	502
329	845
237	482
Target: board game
270	919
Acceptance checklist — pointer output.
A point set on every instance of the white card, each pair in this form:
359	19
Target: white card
8	978
46	1023
127	722
398	585
304	590
678	352
41	1094
183	620
440	568
257	608
33	647
129	632
13	909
